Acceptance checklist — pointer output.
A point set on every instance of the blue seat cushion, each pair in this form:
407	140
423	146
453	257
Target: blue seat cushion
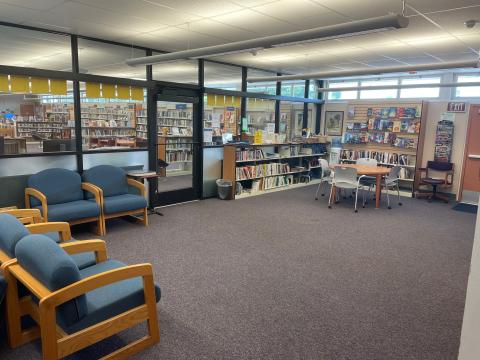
55	269
111	179
111	300
11	231
58	185
125	202
82	260
75	210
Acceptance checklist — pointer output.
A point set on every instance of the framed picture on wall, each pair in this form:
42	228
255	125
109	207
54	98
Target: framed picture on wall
334	123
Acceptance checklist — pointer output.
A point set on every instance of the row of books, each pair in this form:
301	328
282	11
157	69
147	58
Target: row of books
381	138
397	126
107	123
395	112
107	132
250	154
380	156
174	130
271	183
174	122
178	114
255	171
178	156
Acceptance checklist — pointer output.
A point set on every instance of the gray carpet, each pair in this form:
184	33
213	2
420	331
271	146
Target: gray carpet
280	276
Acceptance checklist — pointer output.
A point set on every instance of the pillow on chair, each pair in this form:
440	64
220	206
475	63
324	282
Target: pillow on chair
11	231
44	259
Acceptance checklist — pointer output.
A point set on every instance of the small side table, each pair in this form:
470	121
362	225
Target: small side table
142	176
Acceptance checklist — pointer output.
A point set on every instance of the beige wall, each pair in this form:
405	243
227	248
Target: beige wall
435	109
469	344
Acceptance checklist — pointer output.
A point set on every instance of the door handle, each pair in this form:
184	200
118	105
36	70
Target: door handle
474	156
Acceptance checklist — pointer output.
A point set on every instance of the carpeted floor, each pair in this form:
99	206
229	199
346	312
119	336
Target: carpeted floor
280	276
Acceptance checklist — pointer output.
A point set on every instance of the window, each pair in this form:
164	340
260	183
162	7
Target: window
342	95
269	87
260	115
291	119
221	76
181	71
293	88
221	118
99	58
36	115
432	92
113	116
379	94
36	49
467	91
312	90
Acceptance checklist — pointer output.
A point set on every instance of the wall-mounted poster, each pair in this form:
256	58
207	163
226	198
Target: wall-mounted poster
333	123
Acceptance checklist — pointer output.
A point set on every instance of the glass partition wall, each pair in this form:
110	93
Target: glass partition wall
71	94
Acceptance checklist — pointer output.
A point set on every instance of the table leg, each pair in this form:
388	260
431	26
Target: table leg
378	191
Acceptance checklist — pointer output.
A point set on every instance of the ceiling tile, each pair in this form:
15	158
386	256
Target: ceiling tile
219	30
253	21
284	9
33	4
361	9
427	6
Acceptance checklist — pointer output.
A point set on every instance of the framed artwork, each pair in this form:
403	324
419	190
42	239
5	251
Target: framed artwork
334	123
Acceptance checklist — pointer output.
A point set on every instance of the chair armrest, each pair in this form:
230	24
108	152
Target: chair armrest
40	197
96	245
26	216
138	185
95	190
63	228
360	178
93	282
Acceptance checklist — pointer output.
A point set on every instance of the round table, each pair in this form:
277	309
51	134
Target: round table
374	171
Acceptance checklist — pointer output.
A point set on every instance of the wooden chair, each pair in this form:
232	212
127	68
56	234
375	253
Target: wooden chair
11	232
117	198
78	308
59	194
436	173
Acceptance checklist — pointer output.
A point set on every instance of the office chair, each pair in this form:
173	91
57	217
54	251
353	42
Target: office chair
445	168
345	178
325	177
391	181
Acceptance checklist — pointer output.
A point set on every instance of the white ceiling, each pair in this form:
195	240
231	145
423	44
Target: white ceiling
181	24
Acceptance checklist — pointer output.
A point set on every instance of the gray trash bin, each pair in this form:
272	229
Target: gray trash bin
224	188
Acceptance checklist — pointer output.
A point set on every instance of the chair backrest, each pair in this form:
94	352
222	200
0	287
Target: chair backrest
345	175
58	185
394	173
58	272
111	179
439	166
11	232
324	165
367	161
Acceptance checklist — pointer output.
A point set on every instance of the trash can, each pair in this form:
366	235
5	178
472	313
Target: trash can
224	188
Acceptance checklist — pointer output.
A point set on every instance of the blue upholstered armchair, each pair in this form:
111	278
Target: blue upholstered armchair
60	195
77	308
11	232
118	200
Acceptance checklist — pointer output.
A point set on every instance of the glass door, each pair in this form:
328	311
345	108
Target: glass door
177	151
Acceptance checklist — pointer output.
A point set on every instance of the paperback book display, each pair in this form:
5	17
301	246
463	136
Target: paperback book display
444	141
388	133
393	126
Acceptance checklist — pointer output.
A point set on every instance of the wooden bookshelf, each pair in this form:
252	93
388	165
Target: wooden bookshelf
389	153
287	170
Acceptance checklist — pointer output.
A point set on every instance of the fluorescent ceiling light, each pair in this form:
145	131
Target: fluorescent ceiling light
372	71
392	21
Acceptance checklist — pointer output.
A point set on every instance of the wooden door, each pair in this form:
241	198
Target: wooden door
470	188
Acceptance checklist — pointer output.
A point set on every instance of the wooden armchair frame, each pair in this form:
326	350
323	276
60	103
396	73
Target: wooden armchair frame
94	190
15	307
55	342
144	219
26	216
